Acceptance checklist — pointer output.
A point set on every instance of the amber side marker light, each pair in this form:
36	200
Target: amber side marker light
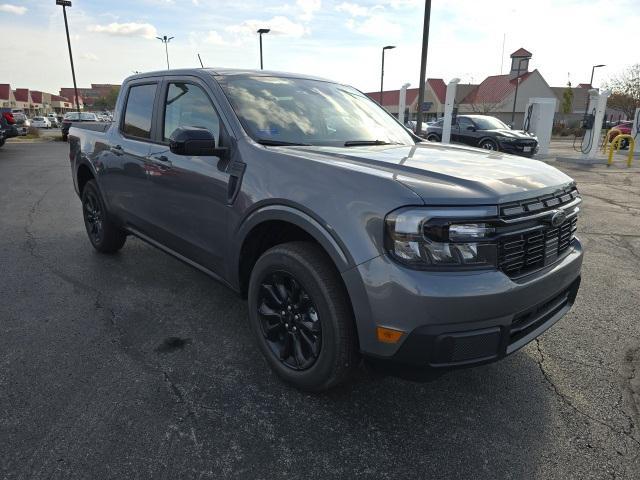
388	335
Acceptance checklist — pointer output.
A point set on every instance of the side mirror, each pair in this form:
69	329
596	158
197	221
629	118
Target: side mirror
471	127
195	141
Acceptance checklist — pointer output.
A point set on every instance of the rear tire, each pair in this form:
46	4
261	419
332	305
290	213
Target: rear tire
301	316
104	235
432	137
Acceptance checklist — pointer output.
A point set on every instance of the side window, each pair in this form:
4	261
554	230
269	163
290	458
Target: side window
188	106
137	114
464	123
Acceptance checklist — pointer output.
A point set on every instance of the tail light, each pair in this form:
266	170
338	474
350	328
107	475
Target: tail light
8	116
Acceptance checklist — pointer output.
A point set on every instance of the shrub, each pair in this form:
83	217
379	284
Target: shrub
33	132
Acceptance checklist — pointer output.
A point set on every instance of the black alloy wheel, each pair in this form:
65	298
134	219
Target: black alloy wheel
289	319
93	217
489	145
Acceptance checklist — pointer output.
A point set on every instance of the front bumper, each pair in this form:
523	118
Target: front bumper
525	148
455	319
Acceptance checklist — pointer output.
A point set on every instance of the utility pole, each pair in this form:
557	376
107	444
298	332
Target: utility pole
423	63
164	39
65	4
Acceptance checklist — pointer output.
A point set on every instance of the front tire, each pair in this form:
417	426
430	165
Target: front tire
432	137
301	316
104	235
488	144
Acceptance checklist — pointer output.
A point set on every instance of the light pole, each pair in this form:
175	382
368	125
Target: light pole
260	32
515	95
65	4
164	39
593	69
423	63
388	47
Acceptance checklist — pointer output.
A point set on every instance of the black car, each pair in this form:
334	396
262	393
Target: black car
486	132
8	127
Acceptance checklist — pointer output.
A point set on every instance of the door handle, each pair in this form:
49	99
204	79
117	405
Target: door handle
117	149
162	158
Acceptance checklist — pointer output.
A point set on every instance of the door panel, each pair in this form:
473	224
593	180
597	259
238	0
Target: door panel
190	192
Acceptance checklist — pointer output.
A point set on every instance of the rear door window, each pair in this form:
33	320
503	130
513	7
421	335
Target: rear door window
138	111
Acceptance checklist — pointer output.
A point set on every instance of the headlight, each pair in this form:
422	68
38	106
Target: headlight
442	238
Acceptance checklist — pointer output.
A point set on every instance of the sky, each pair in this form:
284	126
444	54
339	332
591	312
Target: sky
335	39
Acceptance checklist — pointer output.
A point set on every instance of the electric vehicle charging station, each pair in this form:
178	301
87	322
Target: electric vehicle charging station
635	129
448	109
539	120
593	123
402	104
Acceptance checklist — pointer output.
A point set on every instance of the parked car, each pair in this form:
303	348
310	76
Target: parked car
53	119
8	127
72	117
22	122
353	241
486	132
624	128
40	122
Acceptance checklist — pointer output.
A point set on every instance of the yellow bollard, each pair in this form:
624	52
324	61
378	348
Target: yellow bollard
616	144
607	136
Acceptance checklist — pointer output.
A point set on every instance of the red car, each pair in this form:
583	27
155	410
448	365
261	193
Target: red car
625	128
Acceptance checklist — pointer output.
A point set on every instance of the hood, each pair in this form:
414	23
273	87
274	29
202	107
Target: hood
447	174
506	132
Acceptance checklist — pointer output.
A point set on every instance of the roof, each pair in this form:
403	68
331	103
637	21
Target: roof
36	96
21	94
494	89
584	85
392	97
521	52
5	91
225	72
439	88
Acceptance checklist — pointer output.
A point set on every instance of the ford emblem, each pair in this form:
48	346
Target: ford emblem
557	218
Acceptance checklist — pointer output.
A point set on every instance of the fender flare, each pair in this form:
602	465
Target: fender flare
295	215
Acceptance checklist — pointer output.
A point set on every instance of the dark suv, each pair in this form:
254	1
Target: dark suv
486	132
349	236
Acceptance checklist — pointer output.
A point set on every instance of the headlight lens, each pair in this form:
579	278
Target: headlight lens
417	239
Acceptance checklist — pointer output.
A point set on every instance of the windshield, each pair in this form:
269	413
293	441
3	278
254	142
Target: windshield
489	123
310	112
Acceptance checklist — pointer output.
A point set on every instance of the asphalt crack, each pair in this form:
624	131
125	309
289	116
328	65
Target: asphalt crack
564	399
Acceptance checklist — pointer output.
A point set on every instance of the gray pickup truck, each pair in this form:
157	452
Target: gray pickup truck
350	238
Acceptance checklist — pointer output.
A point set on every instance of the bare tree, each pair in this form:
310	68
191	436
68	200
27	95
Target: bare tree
626	91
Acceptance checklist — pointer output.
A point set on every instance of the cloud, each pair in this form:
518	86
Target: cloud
214	38
353	9
279	25
308	8
90	56
145	30
5	7
374	25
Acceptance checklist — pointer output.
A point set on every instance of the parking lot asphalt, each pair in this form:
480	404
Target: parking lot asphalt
138	366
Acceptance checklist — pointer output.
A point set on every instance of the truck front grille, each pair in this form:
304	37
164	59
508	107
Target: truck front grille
523	253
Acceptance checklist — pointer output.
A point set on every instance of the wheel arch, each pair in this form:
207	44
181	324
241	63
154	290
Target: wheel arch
275	224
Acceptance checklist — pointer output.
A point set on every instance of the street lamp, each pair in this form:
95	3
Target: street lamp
388	47
593	69
164	39
64	4
260	32
515	95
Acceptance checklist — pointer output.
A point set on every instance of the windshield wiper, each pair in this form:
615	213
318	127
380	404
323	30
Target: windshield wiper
357	143
276	143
